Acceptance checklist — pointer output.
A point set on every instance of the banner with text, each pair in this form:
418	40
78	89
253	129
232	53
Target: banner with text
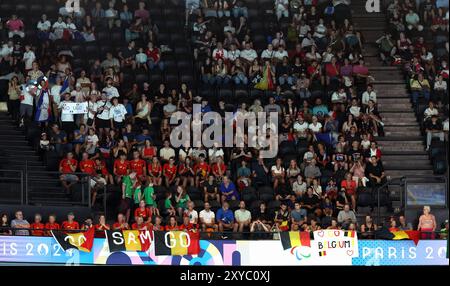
74	107
339	243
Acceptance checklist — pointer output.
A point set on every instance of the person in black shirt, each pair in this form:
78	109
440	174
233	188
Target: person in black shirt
5	226
433	128
127	56
355	153
311	202
375	172
260	172
210	189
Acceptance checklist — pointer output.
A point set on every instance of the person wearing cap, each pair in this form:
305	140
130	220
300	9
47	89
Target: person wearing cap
70	223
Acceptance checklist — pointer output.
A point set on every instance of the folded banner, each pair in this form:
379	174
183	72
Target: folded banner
291	239
128	240
82	241
74	107
177	243
407	234
336	242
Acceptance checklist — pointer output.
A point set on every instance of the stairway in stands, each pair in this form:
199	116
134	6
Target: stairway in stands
403	146
16	153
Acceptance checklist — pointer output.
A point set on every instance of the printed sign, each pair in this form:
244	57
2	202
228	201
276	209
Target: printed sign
340	243
75	107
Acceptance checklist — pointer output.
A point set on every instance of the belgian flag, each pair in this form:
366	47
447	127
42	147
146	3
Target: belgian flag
322	253
176	243
82	241
291	239
350	233
128	240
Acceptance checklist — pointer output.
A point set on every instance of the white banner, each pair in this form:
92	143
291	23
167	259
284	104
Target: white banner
341	243
75	107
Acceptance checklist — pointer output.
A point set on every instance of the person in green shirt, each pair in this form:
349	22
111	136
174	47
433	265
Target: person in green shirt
149	198
181	199
128	191
168	206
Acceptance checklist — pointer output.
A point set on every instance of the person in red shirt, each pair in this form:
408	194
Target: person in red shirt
172	224
154	57
144	212
100	169
149	151
140	224
332	70
219	168
170	173
121	167
187	225
158	224
87	165
101	226
186	172
201	170
350	188
155	172
37	227
70	223
67	168
121	223
315	72
138	165
51	224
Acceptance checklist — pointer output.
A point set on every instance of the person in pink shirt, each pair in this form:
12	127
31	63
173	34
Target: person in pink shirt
15	26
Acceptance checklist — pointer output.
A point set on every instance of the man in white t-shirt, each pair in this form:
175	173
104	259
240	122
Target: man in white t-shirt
117	114
301	127
166	152
28	58
207	218
110	90
248	54
26	101
243	218
67	118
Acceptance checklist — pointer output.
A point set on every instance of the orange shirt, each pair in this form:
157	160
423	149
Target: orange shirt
169	228
204	167
215	168
154	170
64	165
121	168
51	226
117	226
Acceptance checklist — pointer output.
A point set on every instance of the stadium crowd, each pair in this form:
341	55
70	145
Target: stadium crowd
306	65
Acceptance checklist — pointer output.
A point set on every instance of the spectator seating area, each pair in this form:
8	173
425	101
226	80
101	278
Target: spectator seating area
137	62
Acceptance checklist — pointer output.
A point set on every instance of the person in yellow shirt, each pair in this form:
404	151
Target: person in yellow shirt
419	87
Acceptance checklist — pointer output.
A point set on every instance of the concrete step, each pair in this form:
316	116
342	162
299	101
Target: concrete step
390	101
387	76
417	157
408	173
407	165
401	147
399	116
402	132
407	129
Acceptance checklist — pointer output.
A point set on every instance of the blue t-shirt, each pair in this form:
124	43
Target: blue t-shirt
225	216
231	187
320	110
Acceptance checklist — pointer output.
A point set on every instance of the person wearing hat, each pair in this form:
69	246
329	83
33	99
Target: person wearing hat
70	223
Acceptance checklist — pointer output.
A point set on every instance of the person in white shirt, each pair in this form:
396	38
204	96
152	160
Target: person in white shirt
89	117
248	54
278	41
58	29
117	114
28	58
315	126
430	111
167	152
233	53
339	96
207	218
280	53
43	27
301	127
219	52
215	152
110	90
243	217
282	8
103	121
268	53
26	102
369	94
67	118
304	29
